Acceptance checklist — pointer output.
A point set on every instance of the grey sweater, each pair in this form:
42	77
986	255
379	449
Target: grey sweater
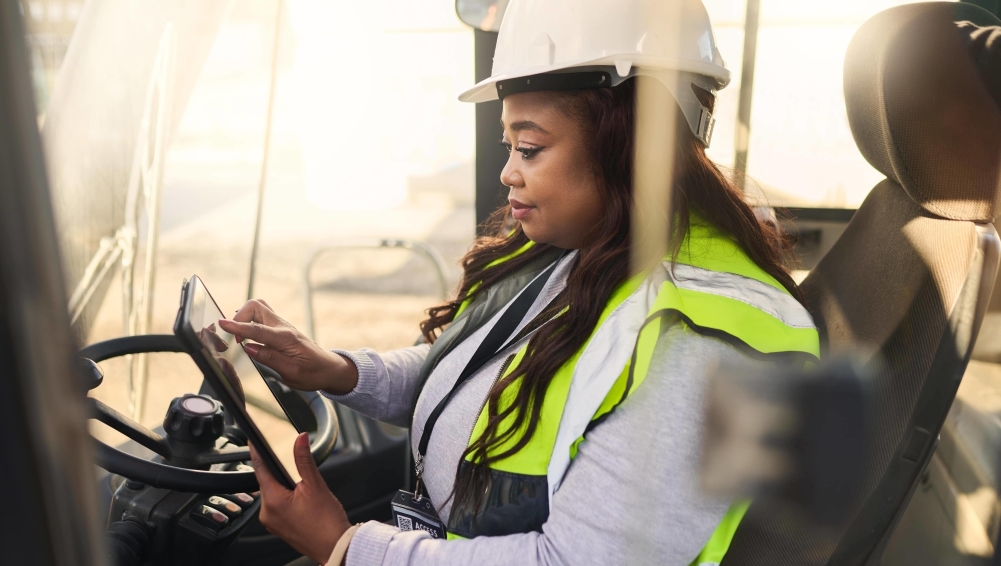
631	496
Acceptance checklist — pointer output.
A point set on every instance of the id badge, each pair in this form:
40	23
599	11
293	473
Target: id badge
412	514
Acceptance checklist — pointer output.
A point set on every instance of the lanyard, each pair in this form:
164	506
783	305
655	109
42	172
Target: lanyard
495	341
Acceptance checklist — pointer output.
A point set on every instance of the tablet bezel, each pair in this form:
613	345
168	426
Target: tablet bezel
186	333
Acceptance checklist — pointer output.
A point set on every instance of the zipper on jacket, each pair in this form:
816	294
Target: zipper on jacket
500	373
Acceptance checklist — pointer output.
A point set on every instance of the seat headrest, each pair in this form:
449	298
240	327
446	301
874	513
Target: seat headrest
918	90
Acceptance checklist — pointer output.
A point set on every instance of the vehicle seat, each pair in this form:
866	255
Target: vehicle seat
905	288
988	346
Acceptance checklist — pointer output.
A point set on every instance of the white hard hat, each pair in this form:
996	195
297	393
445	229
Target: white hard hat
576	44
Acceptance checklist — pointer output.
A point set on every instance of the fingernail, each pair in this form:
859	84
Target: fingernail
251	349
302	442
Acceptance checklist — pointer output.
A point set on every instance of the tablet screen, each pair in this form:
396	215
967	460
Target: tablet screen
257	390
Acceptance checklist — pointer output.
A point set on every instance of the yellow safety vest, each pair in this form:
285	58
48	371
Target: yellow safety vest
715	289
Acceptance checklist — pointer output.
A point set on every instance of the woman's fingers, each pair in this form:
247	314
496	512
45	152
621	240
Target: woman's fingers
256	310
270	357
269	340
254	331
304	462
309	518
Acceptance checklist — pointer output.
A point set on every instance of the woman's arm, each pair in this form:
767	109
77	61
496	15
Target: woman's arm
381	387
386	384
630	497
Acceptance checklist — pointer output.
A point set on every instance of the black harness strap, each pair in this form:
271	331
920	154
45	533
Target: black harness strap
494	342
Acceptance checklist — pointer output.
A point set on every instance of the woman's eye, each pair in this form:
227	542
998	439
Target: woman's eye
526	152
529	152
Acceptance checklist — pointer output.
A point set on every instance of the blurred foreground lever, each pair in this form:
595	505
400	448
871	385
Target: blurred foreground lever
796	437
129	542
90	373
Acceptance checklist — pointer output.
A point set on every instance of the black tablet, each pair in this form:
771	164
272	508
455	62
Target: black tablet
242	388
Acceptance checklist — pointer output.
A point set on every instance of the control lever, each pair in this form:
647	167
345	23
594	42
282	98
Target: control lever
795	437
130	542
90	373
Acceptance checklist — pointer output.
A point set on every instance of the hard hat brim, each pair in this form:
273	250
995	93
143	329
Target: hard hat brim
486	90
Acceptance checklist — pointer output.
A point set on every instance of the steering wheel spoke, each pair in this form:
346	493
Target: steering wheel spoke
130	428
225	455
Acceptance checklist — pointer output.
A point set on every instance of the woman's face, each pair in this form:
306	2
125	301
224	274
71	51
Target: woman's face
554	187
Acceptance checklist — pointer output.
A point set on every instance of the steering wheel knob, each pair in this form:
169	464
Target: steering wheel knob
195	419
198	405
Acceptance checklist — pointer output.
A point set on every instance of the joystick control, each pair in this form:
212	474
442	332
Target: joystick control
194	419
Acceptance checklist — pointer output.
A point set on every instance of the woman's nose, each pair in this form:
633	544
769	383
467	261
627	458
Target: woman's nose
510	175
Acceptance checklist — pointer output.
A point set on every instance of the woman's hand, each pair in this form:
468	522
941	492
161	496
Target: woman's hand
309	518
301	363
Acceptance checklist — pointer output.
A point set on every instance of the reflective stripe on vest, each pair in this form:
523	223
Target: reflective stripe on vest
712	287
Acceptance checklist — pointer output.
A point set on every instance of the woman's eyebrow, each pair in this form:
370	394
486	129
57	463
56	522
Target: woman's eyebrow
524	125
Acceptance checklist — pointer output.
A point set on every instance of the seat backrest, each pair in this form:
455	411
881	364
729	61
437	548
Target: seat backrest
905	287
988	345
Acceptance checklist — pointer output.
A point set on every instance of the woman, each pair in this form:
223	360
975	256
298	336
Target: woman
557	414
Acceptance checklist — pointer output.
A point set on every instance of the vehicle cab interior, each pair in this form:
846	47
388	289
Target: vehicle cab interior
314	153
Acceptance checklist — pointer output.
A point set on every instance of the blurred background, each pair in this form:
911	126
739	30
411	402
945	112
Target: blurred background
165	122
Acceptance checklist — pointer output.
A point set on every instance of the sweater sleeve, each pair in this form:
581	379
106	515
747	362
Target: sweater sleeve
632	494
386	383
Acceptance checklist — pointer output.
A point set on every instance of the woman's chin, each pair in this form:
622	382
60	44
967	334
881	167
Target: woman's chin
534	233
545	237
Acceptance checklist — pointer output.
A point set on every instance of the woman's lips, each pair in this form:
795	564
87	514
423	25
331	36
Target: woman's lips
520	210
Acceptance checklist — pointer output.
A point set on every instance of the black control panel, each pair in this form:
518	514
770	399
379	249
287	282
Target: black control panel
217	511
190	528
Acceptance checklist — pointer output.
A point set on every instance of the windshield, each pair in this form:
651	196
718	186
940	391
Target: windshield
294	150
800	150
162	126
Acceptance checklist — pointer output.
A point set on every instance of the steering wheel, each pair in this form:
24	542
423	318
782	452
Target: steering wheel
167	476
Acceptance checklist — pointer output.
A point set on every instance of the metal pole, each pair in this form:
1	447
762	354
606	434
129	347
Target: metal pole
490	156
264	157
653	163
742	135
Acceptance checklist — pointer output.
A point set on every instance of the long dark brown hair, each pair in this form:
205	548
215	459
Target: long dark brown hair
608	116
